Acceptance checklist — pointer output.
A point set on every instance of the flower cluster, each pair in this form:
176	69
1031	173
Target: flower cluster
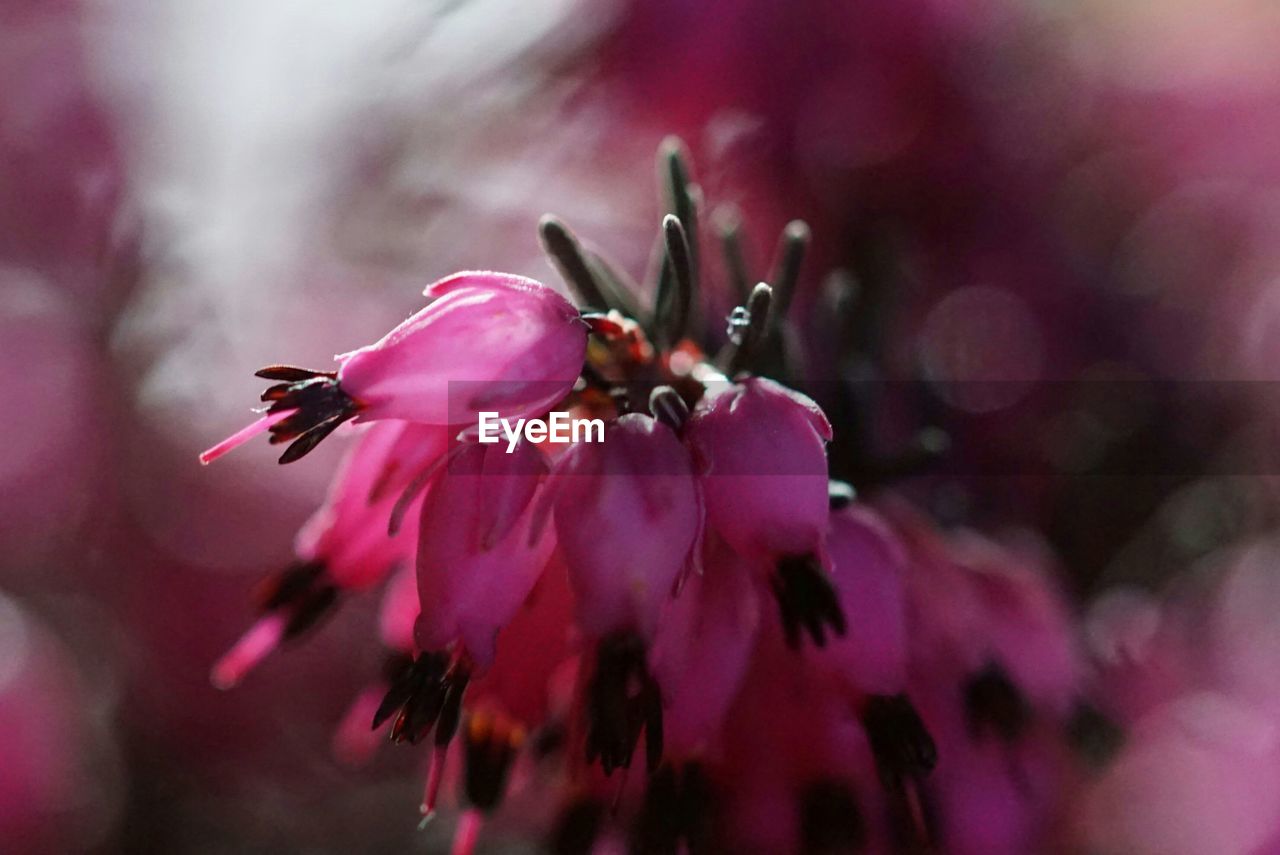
792	668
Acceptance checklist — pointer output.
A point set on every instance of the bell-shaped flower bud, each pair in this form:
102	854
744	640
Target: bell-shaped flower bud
348	533
476	561
703	649
398	612
762	463
761	452
867	572
487	342
989	614
626	516
514	345
344	545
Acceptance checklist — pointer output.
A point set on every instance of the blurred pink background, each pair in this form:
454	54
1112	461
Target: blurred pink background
1025	193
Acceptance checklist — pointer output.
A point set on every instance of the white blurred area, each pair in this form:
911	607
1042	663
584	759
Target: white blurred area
302	170
297	173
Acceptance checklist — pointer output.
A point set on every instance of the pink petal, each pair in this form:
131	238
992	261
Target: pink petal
626	516
702	649
763	465
867	565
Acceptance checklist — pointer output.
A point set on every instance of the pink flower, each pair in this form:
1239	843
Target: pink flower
516	694
535	645
510	695
997	677
481	328
868	570
344	546
610	603
975	604
476	564
806	768
487	341
626	517
761	451
348	534
703	649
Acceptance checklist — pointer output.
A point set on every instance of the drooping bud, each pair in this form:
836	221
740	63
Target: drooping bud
343	546
516	344
626	516
867	568
904	750
761	453
487	341
703	648
348	533
476	565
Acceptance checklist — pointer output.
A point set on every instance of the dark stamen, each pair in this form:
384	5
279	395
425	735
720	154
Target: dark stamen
792	244
422	707
994	705
320	402
567	255
549	740
428	694
681	195
426	667
675	288
289	373
676	810
491	745
668	407
289	585
900	743
830	821
577	828
1094	735
312	437
450	710
308	611
750	332
913	820
658	826
395	666
302	592
806	600
622	700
